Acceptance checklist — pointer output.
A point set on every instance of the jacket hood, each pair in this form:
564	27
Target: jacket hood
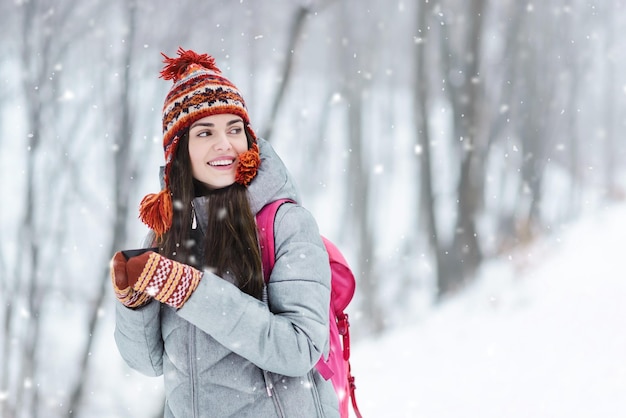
272	181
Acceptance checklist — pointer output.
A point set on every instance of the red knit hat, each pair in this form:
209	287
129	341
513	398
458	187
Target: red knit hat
199	90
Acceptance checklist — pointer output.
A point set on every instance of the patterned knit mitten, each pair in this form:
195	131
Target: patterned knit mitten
166	280
123	291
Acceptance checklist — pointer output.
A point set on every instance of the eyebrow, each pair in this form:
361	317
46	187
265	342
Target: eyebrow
211	125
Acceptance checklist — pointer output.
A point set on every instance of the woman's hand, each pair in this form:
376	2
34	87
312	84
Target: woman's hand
123	290
168	281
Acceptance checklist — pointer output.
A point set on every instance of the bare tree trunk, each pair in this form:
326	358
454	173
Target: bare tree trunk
509	77
27	288
359	201
28	268
124	171
426	196
540	78
358	186
7	291
294	37
609	100
467	103
571	125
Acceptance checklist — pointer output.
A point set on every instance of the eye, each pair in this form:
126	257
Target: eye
236	130
202	133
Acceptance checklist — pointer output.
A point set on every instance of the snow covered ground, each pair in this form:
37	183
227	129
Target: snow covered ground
542	334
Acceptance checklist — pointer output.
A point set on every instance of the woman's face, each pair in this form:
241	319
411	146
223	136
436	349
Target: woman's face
215	143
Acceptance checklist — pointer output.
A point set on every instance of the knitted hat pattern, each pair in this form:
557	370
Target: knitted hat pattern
199	90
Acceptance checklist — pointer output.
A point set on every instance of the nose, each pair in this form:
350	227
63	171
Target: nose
222	143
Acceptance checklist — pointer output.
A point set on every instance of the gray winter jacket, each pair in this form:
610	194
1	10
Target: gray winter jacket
227	354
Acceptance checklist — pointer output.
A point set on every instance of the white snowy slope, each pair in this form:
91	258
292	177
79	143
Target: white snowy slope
542	334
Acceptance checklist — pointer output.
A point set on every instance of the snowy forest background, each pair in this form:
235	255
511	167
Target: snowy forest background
427	137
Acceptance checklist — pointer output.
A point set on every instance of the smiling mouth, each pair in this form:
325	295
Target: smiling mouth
221	163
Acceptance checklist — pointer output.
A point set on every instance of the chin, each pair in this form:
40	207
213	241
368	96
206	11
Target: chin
215	185
221	184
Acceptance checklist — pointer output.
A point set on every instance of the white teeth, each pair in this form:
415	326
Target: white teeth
221	162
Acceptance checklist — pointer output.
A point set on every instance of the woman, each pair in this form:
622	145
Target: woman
197	311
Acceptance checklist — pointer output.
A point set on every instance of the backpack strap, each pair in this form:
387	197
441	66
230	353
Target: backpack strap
265	225
352	385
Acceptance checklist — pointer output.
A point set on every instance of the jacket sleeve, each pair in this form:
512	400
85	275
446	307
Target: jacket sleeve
138	337
290	336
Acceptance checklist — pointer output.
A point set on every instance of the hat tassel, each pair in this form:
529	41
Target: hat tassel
155	210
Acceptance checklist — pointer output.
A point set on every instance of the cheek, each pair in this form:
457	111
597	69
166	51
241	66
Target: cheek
241	145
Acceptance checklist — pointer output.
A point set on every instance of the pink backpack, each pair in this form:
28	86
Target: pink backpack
337	367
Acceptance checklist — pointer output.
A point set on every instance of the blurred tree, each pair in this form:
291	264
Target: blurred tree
124	162
356	60
462	41
295	33
424	43
44	198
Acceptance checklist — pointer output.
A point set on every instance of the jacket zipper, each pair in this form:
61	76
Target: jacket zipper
194	220
192	370
316	394
269	386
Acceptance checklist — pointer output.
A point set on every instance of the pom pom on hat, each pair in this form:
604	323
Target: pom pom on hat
199	90
175	67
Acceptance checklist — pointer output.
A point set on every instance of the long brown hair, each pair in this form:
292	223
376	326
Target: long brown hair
229	246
